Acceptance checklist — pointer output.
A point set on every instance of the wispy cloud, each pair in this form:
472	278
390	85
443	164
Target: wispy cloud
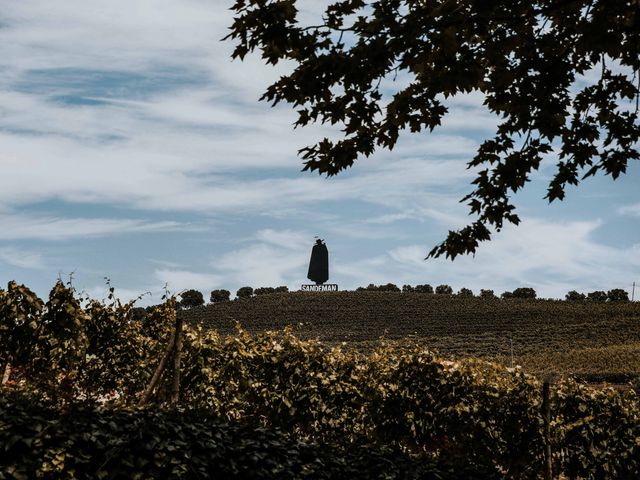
180	131
165	263
179	280
139	111
632	210
553	257
270	258
21	258
22	227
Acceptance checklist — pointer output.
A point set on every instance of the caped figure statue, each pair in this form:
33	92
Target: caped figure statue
319	263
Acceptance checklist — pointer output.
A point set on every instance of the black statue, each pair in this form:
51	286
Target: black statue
319	263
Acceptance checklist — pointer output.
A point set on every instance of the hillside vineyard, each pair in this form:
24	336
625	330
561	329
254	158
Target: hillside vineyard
598	341
95	389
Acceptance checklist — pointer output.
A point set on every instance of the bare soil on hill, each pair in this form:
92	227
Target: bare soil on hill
596	341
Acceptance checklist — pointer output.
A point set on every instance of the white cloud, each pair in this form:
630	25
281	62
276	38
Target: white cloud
180	147
22	227
158	178
271	258
552	257
165	263
21	258
286	239
179	280
444	214
632	210
117	33
161	119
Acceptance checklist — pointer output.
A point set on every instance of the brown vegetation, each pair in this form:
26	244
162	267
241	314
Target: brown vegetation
547	336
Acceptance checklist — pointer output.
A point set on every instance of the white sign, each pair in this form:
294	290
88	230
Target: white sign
329	287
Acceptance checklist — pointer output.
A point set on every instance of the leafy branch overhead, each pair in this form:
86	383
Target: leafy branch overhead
563	76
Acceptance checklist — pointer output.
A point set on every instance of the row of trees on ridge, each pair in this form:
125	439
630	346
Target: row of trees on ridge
194	298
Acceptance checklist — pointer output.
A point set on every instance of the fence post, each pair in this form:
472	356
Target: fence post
546	415
177	354
158	373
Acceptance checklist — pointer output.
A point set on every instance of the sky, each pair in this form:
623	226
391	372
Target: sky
133	148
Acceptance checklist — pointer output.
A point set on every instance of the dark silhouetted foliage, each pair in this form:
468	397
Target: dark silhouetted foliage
426	288
264	291
465	292
524	292
617	295
42	441
191	298
244	292
220	295
597	296
574	296
138	313
549	70
444	290
487	294
389	287
417	289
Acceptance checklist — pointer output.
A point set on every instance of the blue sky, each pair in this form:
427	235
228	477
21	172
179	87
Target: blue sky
132	147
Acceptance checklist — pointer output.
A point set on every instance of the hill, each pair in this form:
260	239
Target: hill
597	341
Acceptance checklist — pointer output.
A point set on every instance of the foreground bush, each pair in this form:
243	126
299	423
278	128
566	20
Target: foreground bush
404	398
40	441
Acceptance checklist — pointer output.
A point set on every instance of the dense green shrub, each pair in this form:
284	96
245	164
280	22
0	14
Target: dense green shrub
425	288
244	292
487	294
521	293
264	291
444	290
524	293
138	314
190	299
40	441
617	295
20	324
389	287
574	296
597	296
598	434
220	295
465	293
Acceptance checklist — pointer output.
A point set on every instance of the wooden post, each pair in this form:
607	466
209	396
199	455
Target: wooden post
546	415
511	341
158	373
177	352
